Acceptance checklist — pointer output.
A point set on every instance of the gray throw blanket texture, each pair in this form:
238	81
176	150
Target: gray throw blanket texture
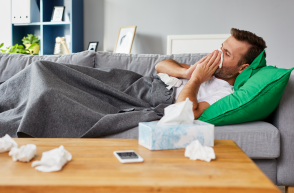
54	100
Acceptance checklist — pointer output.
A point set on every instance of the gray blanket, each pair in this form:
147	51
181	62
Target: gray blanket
49	99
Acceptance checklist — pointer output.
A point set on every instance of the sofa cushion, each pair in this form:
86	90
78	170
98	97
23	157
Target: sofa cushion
143	64
140	63
10	64
259	140
258	63
188	58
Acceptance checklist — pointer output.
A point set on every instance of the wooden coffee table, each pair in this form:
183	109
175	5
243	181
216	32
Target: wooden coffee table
94	168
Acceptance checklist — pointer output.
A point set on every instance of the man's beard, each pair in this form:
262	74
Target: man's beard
223	73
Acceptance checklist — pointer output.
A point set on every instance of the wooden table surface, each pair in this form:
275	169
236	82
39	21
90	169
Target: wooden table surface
94	168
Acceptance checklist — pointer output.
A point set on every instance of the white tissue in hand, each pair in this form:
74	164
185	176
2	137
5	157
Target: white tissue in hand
169	80
222	57
25	153
6	143
179	113
52	160
196	151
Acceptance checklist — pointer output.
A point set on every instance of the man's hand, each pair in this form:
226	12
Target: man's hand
202	72
205	69
190	71
175	69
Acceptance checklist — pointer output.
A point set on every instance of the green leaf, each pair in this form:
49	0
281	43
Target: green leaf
14	51
33	45
30	39
1	45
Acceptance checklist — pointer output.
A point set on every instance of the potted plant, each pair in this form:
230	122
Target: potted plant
32	43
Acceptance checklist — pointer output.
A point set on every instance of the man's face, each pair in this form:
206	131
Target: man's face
233	51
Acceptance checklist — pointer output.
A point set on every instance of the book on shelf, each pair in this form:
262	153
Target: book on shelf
25	11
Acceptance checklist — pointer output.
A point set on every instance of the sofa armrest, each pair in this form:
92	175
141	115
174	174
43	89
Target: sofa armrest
283	119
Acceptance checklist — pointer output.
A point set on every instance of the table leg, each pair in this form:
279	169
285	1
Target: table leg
289	189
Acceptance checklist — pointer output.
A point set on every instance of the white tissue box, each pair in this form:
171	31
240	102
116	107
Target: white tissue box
158	137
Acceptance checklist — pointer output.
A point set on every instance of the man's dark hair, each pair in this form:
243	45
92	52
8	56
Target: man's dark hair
256	42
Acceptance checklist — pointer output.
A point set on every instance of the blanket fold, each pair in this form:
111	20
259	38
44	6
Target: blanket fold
49	99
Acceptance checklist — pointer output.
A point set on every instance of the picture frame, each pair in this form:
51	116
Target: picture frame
57	14
125	39
93	46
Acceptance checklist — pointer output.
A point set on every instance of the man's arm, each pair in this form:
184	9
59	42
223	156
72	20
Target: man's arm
202	73
190	91
172	68
175	69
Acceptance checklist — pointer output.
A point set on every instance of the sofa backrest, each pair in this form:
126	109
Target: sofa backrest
143	64
10	64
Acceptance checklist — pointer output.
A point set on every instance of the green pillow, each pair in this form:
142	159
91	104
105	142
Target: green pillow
258	63
256	97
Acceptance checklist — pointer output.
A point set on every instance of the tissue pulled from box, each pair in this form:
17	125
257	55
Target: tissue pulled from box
169	80
6	143
25	153
179	113
196	151
53	160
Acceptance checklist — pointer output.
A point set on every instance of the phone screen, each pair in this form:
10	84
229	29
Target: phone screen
128	155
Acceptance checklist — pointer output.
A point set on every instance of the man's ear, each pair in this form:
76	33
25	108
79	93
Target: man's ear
243	67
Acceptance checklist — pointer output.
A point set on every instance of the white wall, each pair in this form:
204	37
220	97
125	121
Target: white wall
93	22
155	19
5	27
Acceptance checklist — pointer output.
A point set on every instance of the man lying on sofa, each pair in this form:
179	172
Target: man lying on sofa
48	99
205	82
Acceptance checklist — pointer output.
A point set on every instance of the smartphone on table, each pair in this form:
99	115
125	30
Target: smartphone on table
128	156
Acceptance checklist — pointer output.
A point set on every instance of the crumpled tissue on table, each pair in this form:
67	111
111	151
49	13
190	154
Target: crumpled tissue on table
179	113
25	153
6	143
53	160
169	80
196	151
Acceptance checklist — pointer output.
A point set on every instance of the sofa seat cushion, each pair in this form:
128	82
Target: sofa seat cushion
10	64
259	140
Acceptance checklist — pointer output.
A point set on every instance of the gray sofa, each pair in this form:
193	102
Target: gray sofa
269	143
